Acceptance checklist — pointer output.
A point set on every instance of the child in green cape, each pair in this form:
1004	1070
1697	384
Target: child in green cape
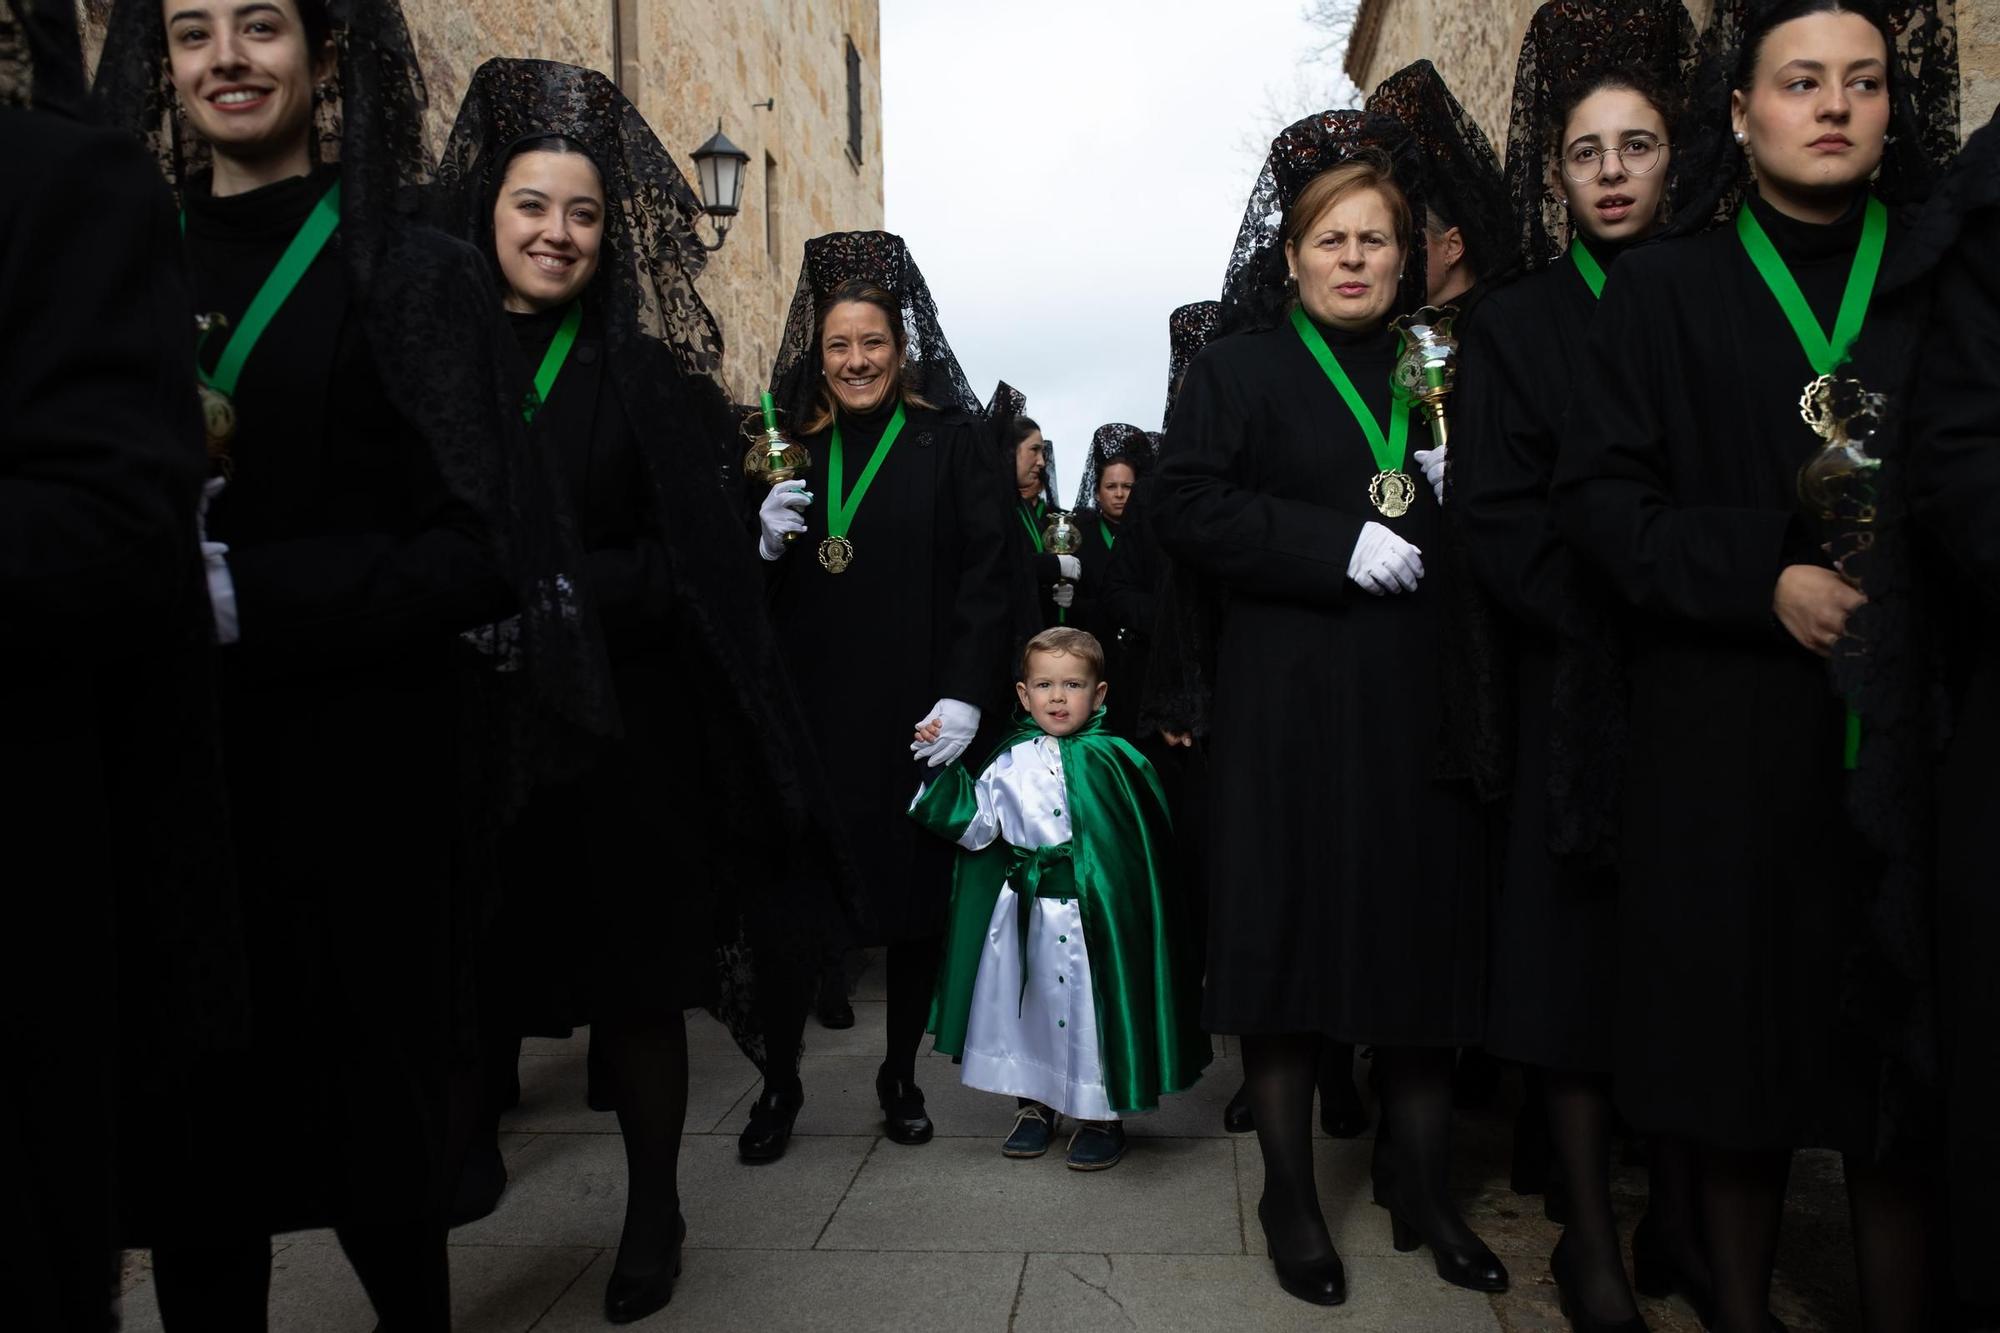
1060	983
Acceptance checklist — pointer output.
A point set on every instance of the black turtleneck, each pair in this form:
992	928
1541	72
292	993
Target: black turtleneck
1819	254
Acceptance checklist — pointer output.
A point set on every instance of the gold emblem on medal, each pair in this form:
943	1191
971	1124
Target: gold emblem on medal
1392	493
836	554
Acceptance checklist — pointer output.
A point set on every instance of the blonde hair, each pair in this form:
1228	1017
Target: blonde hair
1065	641
1366	170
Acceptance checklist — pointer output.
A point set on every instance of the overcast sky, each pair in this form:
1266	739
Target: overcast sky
1066	173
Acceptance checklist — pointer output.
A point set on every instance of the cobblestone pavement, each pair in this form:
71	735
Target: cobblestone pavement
852	1232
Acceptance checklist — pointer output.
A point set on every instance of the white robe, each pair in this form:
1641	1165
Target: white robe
1042	1045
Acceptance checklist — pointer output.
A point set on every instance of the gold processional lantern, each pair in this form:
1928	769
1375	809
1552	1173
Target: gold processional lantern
1837	485
1427	368
774	457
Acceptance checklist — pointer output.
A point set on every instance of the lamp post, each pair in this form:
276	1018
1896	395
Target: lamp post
719	166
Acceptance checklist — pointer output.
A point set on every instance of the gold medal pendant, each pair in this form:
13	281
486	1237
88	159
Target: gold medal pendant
218	417
836	554
1392	493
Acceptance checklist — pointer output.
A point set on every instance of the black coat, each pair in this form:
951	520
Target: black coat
1345	880
1554	977
1955	476
611	907
356	568
1742	877
924	613
126	968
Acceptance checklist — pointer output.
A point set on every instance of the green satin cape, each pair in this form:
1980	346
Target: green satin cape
1148	1006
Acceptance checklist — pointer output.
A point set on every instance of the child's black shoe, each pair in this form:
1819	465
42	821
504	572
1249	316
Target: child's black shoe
1034	1126
1096	1145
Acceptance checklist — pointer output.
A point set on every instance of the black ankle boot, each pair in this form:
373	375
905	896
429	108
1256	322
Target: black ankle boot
770	1129
628	1298
903	1117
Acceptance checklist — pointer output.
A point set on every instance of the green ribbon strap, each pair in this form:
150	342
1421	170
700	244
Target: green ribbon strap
1586	264
553	360
1104	531
1031	520
1045	872
279	284
1825	353
1389	450
840	512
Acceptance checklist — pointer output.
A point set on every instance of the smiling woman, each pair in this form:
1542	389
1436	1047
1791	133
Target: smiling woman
245	75
548	223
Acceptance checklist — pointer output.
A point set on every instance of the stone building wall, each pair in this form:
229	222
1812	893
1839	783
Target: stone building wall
688	64
1475	45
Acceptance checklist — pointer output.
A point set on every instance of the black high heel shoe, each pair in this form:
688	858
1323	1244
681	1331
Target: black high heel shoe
1474	1267
628	1298
904	1119
769	1132
1236	1118
1580	1319
1316	1282
1657	1275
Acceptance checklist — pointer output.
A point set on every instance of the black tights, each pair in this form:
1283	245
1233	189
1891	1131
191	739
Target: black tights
785	995
1579	1117
225	1288
648	1064
1280	1074
1416	1117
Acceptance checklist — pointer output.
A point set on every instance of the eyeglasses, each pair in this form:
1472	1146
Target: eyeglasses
1585	162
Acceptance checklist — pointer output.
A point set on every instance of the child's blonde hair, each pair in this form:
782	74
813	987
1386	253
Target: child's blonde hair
1064	641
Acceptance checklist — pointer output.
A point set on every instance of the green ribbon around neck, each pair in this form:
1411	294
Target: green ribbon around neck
1390	449
553	360
1586	264
1824	352
840	510
279	284
1029	518
1104	531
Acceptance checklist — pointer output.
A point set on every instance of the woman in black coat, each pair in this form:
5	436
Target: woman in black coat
1590	145
1744	882
893	602
1346	882
371	516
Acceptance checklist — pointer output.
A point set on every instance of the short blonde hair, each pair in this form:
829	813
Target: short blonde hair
1066	641
1366	170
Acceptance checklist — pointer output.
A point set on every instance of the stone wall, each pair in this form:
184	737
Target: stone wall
688	64
1474	46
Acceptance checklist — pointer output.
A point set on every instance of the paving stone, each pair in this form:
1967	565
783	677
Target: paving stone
1086	1293
569	1189
723	1291
1167	1196
314	1290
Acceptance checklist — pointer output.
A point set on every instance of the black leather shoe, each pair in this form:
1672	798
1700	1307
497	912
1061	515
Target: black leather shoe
1315	1281
1474	1267
1573	1308
770	1129
1342	1115
903	1117
1236	1116
628	1298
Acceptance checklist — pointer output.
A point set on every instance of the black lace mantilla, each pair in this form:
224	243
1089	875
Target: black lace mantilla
41	60
1462	176
1189	329
1569	41
1255	294
1115	442
931	369
651	227
1923	118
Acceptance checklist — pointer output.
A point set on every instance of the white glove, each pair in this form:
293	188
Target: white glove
1064	594
1384	563
781	513
221	590
1072	568
1432	462
960	721
209	490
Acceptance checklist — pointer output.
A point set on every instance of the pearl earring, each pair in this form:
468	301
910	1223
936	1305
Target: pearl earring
1741	137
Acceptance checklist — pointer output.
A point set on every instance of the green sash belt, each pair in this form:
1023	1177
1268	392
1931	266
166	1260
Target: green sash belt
1046	872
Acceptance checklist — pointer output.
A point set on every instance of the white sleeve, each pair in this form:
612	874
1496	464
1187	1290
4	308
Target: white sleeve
985	825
